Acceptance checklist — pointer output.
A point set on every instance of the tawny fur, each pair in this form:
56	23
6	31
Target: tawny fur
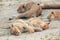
55	15
28	10
29	5
33	12
21	9
37	22
19	27
25	7
31	25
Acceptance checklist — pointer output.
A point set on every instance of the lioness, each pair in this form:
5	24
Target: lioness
54	15
31	25
35	11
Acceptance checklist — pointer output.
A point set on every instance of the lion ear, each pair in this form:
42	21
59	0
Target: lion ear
52	12
38	4
23	6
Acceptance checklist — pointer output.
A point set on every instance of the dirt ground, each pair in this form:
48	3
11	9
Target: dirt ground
8	9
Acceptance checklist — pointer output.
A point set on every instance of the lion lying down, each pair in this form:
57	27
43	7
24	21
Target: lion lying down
33	10
54	15
31	25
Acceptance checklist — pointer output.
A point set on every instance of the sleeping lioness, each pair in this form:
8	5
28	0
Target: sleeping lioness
34	11
31	25
54	15
29	10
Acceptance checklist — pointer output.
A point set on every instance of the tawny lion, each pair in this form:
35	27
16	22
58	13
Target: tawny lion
54	15
31	25
33	12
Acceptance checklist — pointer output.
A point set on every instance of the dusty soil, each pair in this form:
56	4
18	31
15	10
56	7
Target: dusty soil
8	9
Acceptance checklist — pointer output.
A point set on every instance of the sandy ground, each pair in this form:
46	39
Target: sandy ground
8	9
